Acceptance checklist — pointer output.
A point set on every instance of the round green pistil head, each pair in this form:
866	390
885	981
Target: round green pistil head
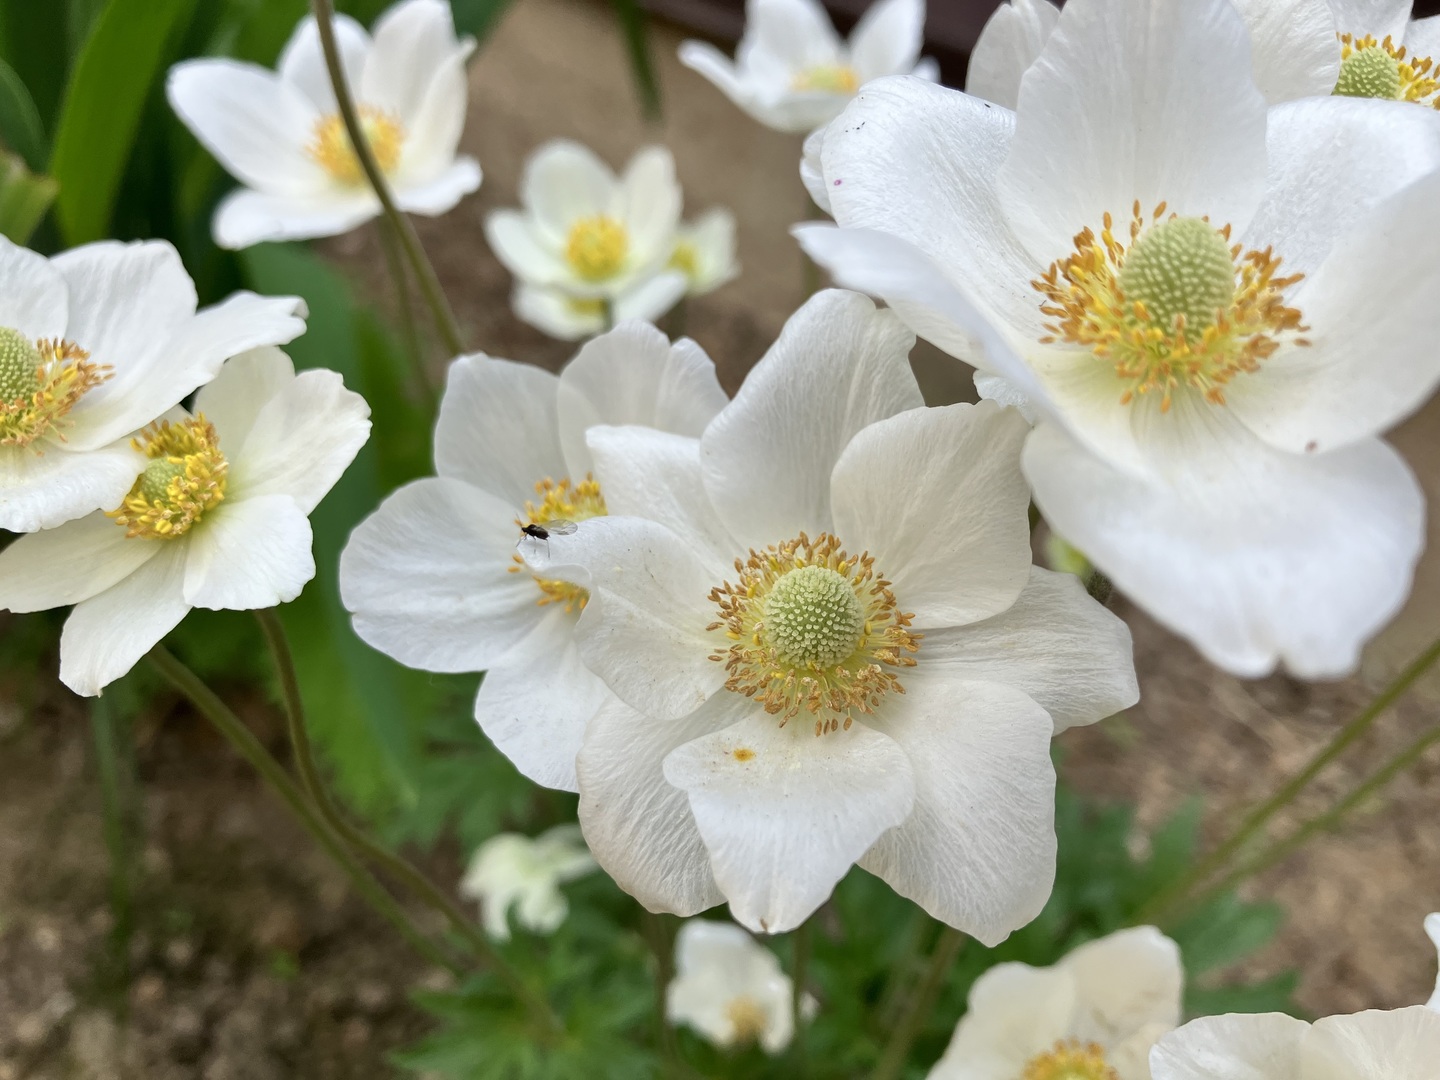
19	366
1371	73
1180	267
813	618
155	480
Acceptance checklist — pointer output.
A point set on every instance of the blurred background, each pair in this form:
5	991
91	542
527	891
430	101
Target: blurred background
161	917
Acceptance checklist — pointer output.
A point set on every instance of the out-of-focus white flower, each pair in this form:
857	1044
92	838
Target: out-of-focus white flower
1403	1044
218	518
1093	1016
829	645
705	252
514	871
95	344
281	135
792	72
1200	300
730	989
1432	928
586	238
433	577
1009	43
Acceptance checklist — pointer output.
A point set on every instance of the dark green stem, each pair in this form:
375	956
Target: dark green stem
394	259
897	1050
115	762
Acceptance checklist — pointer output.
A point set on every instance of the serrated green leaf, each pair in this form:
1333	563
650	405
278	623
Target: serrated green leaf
20	125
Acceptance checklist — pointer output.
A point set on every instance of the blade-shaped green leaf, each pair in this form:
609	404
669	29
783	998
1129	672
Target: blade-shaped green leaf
20	126
637	41
24	198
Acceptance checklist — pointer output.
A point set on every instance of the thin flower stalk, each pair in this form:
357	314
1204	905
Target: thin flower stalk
942	959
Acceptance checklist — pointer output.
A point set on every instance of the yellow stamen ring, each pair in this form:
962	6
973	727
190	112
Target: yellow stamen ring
811	627
1384	70
184	480
597	247
1070	1060
331	148
39	383
567	501
827	78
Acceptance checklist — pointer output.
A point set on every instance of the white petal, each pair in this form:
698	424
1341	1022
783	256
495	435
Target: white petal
1133	101
978	853
245	218
1432	930
562	183
33	297
66	565
433	133
106	635
639	828
1010	42
797	33
442	192
302	63
45	484
428	578
497	428
412	42
1403	1044
1373	323
516	241
888	38
936	495
1422	37
233	399
303	439
652	297
633	375
772	106
839	365
785	813
247	554
1015	1012
1379	18
711	238
1264	1046
1255	555
1296	54
1125	982
812	169
535	701
257	125
644	630
650	204
1065	651
556	313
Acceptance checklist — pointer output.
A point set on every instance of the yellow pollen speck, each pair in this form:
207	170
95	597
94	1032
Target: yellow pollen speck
568	502
1384	70
184	480
827	78
747	1019
40	382
809	627
1179	306
330	145
743	753
1069	1060
597	247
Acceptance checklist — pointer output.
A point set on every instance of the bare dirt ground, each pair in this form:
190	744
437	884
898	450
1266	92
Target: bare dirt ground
250	962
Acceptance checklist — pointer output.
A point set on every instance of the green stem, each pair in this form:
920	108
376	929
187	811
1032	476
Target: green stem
800	977
425	275
1261	815
607	309
394	259
887	1012
115	761
897	1050
242	739
662	947
396	866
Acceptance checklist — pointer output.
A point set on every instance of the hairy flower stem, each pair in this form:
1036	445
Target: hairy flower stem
395	262
399	868
242	739
404	228
1173	896
917	1009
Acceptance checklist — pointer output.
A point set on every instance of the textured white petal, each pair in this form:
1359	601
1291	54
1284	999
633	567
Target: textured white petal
33	296
812	169
257	125
68	564
1129	101
302	62
650	204
39	490
497	428
428	578
785	813
412	42
1295	51
233	399
978	852
888	38
250	553
633	375
1125	982
1403	1044
839	365
639	828
1379	18
535	701
936	495
1009	43
1264	1046
1015	1012
106	635
1422	37
1065	651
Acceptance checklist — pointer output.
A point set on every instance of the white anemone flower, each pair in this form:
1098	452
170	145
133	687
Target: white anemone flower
1403	1044
1202	302
513	871
94	344
218	518
566	318
281	135
588	236
828	645
792	72
1432	928
705	252
433	577
729	988
1093	1016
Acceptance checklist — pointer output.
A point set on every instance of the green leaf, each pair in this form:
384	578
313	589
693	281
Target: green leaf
636	29
20	125
24	198
100	116
34	43
478	17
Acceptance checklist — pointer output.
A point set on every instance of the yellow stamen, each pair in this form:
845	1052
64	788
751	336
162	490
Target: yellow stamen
331	147
827	78
1158	337
810	627
39	383
1382	69
568	502
184	480
686	259
1070	1060
597	247
747	1018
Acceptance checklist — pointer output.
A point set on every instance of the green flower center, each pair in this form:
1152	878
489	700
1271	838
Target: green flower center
19	366
813	618
154	483
1369	73
1181	267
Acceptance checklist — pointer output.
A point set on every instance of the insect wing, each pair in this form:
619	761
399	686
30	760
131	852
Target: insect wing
559	527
